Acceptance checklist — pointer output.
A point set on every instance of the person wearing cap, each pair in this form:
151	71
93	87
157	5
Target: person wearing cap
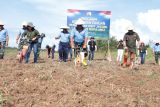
32	36
64	37
120	48
20	39
92	48
130	39
156	51
79	35
142	52
4	38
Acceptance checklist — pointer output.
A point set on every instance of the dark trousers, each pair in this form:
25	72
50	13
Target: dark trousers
70	53
91	55
35	51
53	51
63	51
78	46
142	55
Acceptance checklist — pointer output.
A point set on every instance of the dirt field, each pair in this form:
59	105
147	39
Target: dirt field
100	84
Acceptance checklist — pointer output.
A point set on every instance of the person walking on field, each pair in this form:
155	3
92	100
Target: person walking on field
120	48
130	39
4	38
142	52
79	37
63	44
92	48
156	51
32	36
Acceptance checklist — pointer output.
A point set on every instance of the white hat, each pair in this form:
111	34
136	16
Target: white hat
30	24
24	23
130	27
1	23
64	27
79	22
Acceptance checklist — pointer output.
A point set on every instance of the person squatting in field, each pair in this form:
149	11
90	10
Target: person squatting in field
130	39
4	38
64	37
32	36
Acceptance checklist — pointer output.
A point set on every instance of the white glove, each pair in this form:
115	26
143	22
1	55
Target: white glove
146	52
138	52
95	48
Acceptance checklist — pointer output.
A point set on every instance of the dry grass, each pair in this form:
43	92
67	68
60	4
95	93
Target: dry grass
100	84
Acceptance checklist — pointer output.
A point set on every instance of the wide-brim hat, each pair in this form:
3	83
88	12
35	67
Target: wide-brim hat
30	24
130	27
80	22
1	23
64	27
24	23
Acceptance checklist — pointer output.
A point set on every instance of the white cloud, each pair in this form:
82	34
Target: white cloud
119	27
54	14
150	19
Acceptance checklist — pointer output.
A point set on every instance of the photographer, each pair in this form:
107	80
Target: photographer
32	36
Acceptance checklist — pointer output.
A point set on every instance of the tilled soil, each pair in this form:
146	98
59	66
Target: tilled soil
100	84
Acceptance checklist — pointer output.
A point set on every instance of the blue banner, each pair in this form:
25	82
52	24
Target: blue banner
97	22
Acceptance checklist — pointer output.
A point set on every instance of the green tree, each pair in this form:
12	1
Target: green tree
102	44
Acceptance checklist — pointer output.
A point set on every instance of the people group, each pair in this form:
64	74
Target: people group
75	39
131	50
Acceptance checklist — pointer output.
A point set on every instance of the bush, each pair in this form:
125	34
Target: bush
102	44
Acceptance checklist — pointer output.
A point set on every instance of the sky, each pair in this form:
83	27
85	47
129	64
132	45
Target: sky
49	15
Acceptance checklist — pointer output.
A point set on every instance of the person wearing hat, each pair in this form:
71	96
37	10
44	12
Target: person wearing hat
156	51
91	48
20	39
32	36
64	37
130	39
4	38
120	48
142	52
79	36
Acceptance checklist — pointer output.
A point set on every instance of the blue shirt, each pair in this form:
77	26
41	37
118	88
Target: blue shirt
64	37
79	36
3	35
156	48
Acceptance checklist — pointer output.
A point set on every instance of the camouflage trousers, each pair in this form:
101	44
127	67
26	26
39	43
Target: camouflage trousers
157	57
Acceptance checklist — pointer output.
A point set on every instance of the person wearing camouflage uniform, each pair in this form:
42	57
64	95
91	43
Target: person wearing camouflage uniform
130	39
